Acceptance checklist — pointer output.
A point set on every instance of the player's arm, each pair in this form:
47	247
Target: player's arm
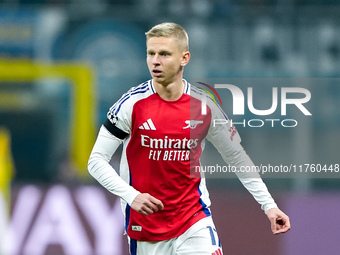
279	221
99	167
236	156
227	141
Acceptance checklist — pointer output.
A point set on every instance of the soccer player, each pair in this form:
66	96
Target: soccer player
165	203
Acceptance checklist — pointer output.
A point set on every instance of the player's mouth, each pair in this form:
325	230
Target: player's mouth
157	72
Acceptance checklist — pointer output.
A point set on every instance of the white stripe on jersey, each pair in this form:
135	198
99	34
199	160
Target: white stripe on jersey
151	125
142	88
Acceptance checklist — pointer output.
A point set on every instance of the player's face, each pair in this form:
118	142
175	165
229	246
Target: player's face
165	60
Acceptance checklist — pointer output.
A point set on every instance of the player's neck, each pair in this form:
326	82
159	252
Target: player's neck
171	91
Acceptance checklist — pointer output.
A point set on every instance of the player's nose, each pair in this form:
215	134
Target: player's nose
156	60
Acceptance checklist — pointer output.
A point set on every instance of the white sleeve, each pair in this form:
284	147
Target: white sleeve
227	141
252	181
100	168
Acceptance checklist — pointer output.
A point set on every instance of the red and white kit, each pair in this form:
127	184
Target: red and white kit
162	144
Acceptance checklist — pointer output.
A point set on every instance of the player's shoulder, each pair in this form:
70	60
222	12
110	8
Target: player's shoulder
196	91
133	95
201	94
206	98
140	89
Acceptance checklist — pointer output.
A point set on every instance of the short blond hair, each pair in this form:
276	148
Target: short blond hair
169	29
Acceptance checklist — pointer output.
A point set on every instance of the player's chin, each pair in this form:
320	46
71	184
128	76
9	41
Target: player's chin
159	79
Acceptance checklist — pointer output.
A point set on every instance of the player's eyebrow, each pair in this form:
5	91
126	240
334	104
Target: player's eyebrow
160	52
165	52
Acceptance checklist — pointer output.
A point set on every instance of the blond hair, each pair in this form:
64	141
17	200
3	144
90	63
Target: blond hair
169	29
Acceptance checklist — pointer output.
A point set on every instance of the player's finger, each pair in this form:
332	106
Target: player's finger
283	225
145	213
151	206
273	225
282	230
146	206
286	225
145	210
160	206
158	203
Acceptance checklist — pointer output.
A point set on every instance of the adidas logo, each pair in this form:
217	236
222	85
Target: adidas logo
136	228
148	125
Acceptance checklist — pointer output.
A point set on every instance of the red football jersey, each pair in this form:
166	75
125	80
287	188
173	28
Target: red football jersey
163	142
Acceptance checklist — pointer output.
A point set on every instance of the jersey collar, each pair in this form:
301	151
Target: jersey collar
186	88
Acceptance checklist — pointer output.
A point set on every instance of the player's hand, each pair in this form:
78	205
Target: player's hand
279	221
146	204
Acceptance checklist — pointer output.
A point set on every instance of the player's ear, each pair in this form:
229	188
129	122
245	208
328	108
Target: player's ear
185	58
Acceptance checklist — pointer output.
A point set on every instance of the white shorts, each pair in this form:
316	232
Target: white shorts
200	239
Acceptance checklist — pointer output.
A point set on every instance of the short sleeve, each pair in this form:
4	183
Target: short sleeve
118	121
119	116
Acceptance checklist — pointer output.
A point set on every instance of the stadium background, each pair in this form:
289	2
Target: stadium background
64	62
